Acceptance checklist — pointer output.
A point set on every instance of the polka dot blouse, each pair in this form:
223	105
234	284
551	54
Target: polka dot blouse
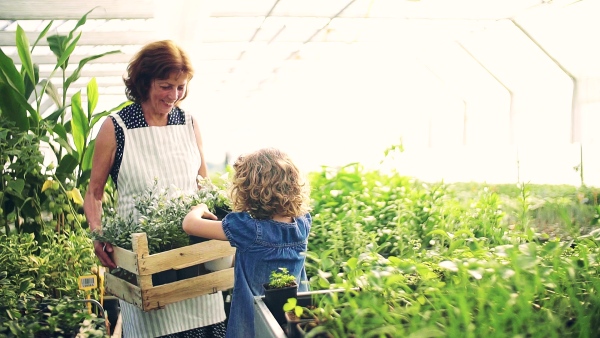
133	117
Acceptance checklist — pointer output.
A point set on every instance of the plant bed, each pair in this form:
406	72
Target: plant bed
141	290
265	324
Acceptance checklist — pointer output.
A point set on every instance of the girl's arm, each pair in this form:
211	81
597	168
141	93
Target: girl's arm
202	223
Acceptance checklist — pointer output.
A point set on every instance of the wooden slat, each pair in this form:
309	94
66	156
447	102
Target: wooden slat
88	38
123	290
125	259
74	9
159	296
197	253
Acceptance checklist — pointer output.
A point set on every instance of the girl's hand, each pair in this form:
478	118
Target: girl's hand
201	211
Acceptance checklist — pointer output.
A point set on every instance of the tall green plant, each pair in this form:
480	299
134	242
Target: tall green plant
67	131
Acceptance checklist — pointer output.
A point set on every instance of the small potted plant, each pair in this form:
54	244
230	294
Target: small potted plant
281	286
295	314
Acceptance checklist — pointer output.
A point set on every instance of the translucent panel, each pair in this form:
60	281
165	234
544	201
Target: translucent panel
569	34
285	29
309	8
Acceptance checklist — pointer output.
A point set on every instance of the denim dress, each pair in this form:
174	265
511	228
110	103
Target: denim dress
262	246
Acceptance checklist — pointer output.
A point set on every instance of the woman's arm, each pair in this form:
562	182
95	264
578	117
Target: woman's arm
202	223
102	162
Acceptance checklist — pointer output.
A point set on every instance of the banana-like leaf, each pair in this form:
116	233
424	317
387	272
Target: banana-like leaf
63	60
10	107
79	123
57	44
98	116
42	34
80	23
77	72
14	104
92	97
67	164
52	118
59	130
10	74
86	163
30	86
24	54
51	90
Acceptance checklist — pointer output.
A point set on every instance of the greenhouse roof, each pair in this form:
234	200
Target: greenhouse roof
449	72
243	45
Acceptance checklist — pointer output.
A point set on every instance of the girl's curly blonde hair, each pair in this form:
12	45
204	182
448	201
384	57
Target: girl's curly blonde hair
267	183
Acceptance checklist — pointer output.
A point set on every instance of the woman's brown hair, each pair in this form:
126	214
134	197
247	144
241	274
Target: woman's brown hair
156	60
268	183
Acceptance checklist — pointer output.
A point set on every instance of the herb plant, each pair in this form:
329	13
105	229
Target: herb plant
160	217
281	278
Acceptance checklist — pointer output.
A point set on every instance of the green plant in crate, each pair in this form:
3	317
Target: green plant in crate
160	217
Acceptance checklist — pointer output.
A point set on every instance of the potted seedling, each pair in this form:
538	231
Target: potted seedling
281	286
295	314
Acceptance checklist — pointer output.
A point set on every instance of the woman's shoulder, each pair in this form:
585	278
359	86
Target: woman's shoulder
178	117
131	116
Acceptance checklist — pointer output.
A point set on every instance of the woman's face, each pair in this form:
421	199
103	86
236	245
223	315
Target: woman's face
165	93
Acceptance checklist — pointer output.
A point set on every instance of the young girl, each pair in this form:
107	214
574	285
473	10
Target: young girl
269	228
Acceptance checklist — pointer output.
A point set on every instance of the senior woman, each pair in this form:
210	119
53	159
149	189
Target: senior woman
153	138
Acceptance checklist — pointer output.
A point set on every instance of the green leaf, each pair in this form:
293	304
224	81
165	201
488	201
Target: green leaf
77	72
52	92
63	142
92	97
9	73
63	59
24	54
30	86
58	129
81	22
86	163
290	305
42	34
67	164
352	262
17	185
439	232
79	123
10	107
98	116
57	44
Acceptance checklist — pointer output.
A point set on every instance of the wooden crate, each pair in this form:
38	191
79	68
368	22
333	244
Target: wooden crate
149	297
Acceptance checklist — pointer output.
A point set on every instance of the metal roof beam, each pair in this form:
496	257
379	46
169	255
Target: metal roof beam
8	38
75	9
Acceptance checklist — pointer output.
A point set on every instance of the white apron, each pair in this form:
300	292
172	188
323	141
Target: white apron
169	153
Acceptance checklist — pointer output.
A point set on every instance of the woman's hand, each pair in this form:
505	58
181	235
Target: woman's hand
102	251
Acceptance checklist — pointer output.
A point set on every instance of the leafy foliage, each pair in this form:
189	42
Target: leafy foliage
39	283
281	278
452	260
161	213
